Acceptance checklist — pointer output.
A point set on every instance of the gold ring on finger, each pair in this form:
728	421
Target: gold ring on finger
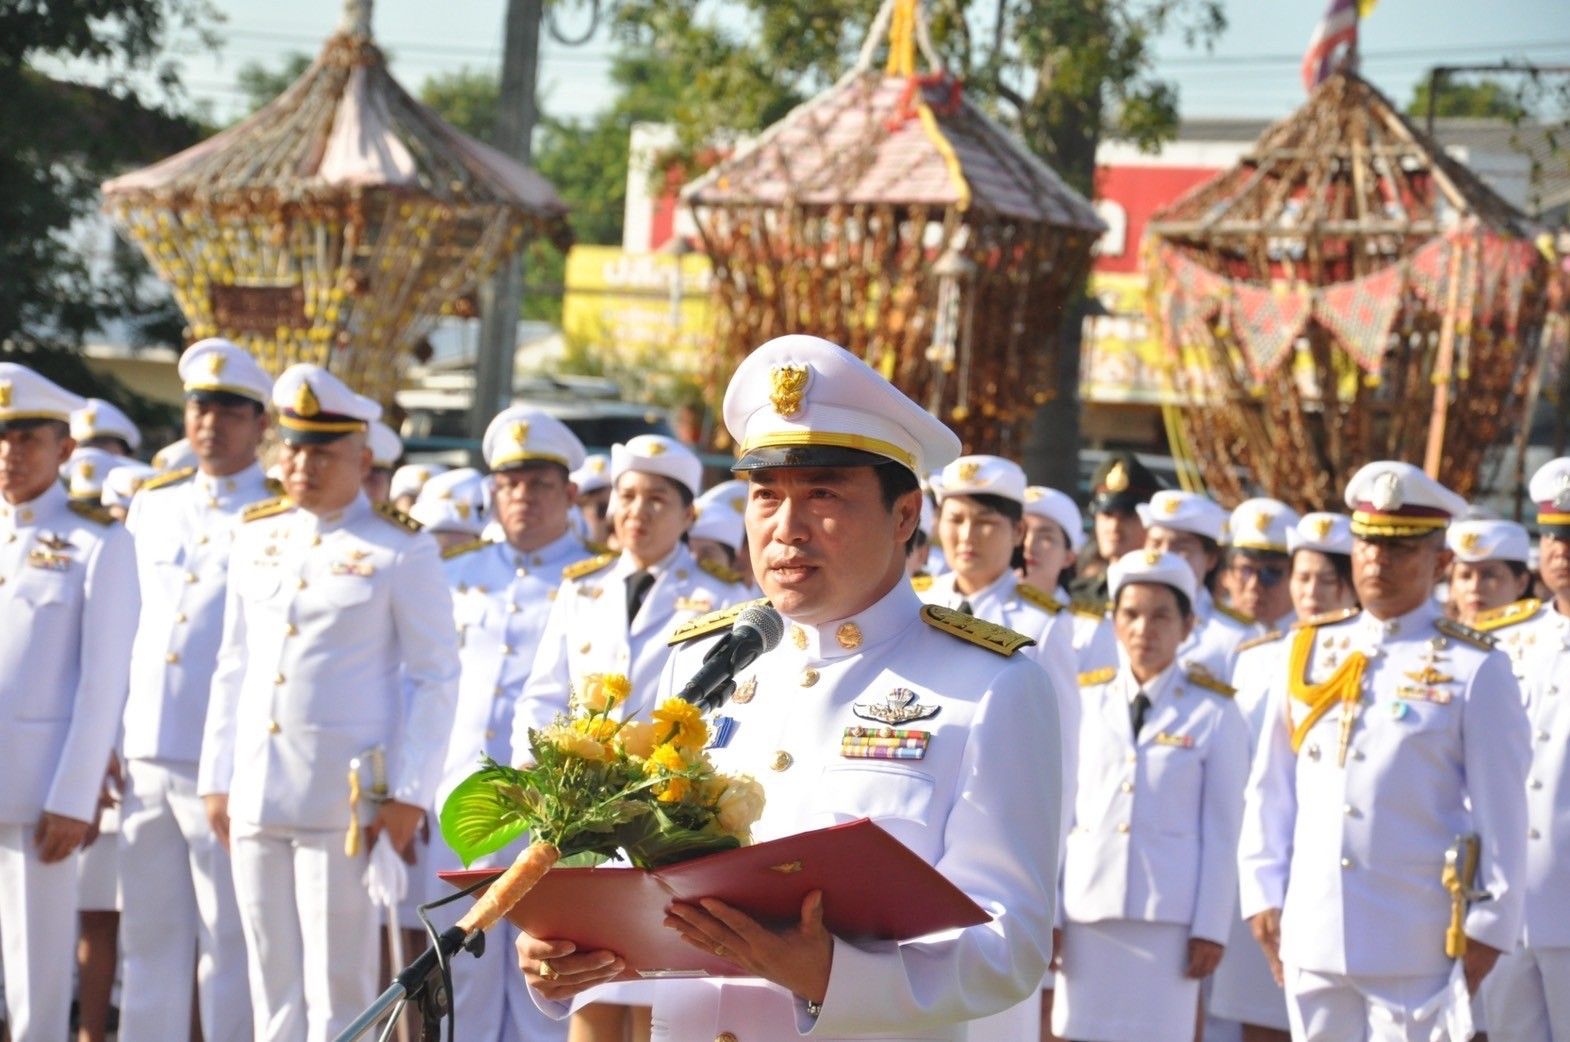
547	971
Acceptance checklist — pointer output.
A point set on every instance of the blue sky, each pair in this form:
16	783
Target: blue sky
1252	70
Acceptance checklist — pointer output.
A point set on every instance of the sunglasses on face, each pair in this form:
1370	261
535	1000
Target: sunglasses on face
1266	575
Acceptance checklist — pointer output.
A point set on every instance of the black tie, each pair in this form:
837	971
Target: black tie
1136	712
964	606
638	584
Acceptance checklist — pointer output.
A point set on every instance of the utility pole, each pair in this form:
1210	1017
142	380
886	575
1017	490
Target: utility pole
502	297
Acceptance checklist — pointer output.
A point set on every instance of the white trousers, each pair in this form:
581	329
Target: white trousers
1329	1007
491	1002
180	915
311	932
1527	996
38	935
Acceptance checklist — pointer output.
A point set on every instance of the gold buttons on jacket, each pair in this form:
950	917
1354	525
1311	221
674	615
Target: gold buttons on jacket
190	578
290	630
848	636
1123	827
300	584
179	616
809	677
798	637
272	727
1346	862
172	657
782	761
278	680
726	1036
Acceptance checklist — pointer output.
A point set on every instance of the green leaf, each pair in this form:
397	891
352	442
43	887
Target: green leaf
479	819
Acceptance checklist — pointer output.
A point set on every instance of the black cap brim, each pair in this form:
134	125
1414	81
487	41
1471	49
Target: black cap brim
216	397
295	436
771	456
1118	502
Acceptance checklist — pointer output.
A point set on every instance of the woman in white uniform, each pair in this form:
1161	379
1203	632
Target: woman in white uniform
1150	877
1320	583
1054	534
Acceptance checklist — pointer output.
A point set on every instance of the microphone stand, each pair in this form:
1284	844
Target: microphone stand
427	981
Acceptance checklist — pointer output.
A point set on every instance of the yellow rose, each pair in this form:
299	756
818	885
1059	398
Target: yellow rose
602	692
636	738
740	805
682	723
574	744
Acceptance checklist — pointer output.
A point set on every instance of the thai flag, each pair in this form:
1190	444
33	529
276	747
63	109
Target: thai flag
1334	41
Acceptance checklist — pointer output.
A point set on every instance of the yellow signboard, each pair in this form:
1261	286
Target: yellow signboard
637	309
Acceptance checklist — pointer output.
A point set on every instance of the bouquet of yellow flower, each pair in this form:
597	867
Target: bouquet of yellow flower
598	786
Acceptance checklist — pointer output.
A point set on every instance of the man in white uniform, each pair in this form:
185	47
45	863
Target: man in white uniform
177	875
832	452
334	607
1390	733
502	595
68	591
1527	997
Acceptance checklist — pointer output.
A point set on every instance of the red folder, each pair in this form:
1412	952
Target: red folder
874	888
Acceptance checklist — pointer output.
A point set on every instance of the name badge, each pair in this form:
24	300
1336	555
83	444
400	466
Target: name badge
884	743
1175	741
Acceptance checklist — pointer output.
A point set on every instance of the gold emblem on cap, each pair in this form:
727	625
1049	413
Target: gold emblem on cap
739	504
848	636
215	363
1117	478
90	415
305	403
86	469
1034	494
1322	526
1152	557
462	509
654	448
520	433
5	394
1262	522
787	386
967	470
1470	541
597	465
1386	493
1561	497
1170	505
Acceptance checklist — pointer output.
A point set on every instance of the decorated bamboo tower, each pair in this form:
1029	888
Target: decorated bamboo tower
890	214
336	223
1346	292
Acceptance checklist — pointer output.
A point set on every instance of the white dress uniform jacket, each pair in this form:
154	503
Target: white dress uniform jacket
68	591
1095	643
184	524
501	600
1353	853
587	631
323	615
980	806
1217	633
1527	995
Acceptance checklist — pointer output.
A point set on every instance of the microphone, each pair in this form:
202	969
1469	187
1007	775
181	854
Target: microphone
756	630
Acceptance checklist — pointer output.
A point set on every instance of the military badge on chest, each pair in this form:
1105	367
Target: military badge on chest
51	554
890	741
354	563
1429	682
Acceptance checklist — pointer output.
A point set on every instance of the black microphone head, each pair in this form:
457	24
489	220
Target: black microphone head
765	622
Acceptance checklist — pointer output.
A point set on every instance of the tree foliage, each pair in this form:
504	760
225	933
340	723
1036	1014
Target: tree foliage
262	83
1477	99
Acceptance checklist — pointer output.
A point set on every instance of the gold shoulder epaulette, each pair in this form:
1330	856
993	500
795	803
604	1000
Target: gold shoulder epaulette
1508	615
713	622
1236	616
588	566
1464	633
1040	598
265	508
720	571
1325	618
1266	638
989	635
274	486
90	511
1087	610
1202	677
1097	676
921	583
459	549
167	478
388	512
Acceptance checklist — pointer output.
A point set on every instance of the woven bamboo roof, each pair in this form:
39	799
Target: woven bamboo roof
863	142
344	126
1347	164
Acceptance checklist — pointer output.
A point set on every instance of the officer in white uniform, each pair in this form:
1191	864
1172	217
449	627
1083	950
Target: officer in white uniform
502	595
121	484
833	453
1150	878
174	455
1194	528
1390	733
614	612
100	425
1244	989
184	523
1527	997
386	450
1489	578
453	506
68	587
718	534
409	479
593	513
334	608
1054	536
1259	562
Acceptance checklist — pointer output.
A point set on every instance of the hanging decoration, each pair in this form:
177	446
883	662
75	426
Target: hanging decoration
890	214
336	223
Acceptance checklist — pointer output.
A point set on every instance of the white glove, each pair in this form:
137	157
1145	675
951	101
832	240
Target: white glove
386	877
